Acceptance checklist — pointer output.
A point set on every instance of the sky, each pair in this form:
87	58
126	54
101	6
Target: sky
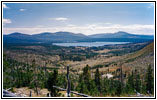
86	18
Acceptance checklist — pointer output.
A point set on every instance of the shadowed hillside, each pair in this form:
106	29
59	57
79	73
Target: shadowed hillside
149	49
140	60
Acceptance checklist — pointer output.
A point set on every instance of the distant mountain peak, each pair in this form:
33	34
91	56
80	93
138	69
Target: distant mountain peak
64	32
16	33
45	33
121	32
63	36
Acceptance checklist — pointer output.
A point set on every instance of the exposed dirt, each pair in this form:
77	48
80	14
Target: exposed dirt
25	92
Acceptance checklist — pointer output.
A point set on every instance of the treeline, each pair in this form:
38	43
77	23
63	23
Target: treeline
77	57
18	75
99	86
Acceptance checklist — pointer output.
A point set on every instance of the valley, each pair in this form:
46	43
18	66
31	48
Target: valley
119	60
78	49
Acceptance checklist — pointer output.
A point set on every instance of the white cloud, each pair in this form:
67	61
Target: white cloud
59	19
151	5
6	21
5	6
89	29
107	23
71	25
22	9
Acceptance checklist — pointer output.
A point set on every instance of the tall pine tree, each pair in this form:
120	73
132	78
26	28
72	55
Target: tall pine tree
87	76
149	80
130	84
97	80
53	81
137	82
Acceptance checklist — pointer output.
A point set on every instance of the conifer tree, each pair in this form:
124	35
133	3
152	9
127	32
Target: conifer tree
97	79
83	87
130	83
87	76
106	87
149	80
94	90
137	83
118	88
52	81
35	77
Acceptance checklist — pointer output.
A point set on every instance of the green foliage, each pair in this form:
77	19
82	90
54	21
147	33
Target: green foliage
149	80
16	74
97	66
86	76
94	90
137	83
105	85
97	80
53	81
62	81
82	87
130	84
118	88
7	80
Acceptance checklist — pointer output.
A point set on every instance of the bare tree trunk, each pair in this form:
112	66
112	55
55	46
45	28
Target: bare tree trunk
68	88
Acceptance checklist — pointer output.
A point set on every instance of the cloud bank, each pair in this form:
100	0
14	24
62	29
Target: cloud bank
88	29
7	21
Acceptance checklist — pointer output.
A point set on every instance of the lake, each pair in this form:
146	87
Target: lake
89	44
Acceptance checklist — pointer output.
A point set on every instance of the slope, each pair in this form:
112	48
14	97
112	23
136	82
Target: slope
149	49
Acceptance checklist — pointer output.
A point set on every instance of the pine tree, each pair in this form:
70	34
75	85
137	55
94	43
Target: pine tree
143	85
105	86
94	90
118	88
149	80
111	85
83	88
97	80
35	77
130	84
137	83
53	81
87	76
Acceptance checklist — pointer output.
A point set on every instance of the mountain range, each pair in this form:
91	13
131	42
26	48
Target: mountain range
72	37
121	34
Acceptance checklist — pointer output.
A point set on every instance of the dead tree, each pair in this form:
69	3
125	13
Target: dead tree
68	86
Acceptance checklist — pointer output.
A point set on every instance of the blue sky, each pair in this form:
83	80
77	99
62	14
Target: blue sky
86	18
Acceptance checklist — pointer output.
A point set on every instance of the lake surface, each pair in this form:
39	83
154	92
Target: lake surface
89	44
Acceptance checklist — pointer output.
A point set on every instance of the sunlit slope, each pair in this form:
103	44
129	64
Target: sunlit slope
147	51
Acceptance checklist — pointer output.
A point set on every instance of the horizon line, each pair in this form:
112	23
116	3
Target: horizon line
76	33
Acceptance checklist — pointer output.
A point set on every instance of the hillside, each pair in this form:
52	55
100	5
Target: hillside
43	37
121	34
140	60
148	50
49	57
59	36
73	37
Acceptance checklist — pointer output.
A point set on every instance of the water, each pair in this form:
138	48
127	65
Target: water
89	44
